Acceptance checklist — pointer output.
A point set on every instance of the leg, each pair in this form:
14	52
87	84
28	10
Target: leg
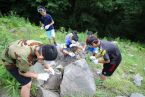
54	41
48	33
24	81
25	90
53	36
108	70
102	77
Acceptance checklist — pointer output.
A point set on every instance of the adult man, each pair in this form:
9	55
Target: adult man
47	24
110	53
20	55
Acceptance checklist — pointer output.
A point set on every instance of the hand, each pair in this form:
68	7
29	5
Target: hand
42	28
71	54
47	26
43	76
96	61
92	58
73	42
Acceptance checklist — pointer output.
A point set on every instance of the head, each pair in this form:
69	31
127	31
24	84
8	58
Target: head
73	47
75	36
41	10
49	52
89	33
93	41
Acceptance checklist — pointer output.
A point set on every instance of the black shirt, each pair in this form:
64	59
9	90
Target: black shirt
112	52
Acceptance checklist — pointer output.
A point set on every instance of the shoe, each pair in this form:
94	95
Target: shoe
98	73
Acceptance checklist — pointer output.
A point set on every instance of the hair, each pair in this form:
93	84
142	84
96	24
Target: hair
41	7
75	36
92	39
89	33
49	52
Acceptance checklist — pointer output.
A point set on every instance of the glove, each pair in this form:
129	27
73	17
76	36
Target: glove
42	28
51	70
47	26
92	58
73	42
43	76
95	61
71	54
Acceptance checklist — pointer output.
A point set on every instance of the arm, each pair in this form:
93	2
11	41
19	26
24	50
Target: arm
41	24
52	22
39	56
105	59
29	74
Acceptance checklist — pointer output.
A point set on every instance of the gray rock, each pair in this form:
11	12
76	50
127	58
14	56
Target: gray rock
53	83
3	92
46	93
78	80
121	96
137	95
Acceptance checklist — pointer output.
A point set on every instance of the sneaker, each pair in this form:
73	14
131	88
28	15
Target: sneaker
98	73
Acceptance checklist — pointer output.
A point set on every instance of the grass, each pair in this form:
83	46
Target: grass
121	83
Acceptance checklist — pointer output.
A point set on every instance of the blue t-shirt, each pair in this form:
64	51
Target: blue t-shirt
47	19
93	50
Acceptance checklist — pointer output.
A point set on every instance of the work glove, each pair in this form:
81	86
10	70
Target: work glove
71	54
47	27
50	70
93	59
43	76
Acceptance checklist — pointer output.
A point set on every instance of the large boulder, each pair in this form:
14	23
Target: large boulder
46	93
137	95
77	80
53	83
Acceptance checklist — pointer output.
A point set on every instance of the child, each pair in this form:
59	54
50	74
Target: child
71	38
110	53
47	24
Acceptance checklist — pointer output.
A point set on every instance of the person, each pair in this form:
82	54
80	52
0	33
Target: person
89	48
47	23
71	38
20	55
110	53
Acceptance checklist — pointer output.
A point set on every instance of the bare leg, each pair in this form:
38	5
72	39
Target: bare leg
54	41
102	77
49	40
25	90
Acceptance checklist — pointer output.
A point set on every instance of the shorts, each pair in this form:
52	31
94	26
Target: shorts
50	34
109	68
21	79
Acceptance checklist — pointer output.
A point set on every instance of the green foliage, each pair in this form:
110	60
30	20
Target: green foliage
111	18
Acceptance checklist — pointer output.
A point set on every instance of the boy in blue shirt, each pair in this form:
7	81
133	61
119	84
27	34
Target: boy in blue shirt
47	24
